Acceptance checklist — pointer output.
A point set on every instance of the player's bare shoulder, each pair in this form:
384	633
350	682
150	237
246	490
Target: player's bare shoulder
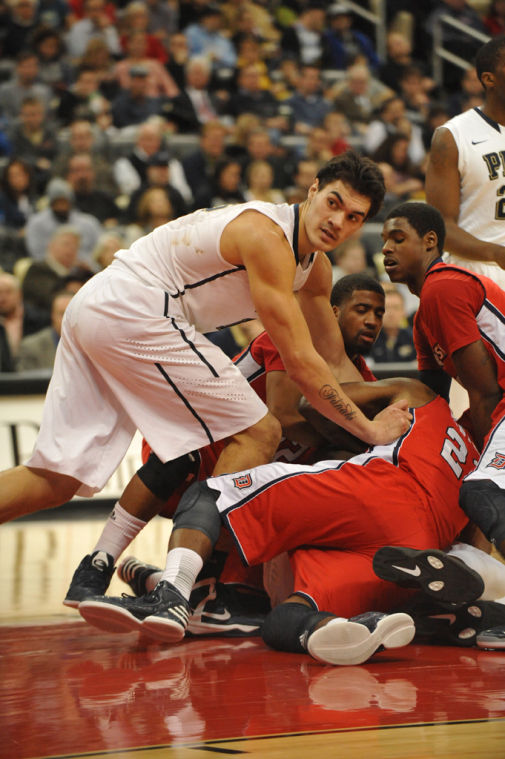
248	234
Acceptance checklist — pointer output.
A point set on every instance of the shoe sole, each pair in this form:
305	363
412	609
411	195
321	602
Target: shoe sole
71	604
160	628
109	617
487	640
347	643
236	630
439	575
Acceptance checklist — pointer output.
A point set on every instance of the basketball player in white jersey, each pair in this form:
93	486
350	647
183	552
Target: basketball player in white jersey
465	177
133	356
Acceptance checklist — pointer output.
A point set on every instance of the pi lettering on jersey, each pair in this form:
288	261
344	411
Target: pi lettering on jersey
244	481
497	462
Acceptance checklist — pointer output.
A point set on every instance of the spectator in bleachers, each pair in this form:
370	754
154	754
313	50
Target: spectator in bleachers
358	96
163	20
18	25
406	180
308	105
250	53
415	95
24	84
41	279
33	140
107	245
302	178
133	105
153	210
349	258
455	41
318	146
205	37
84	137
97	58
240	131
54	14
494	18
305	39
395	341
195	104
89	196
54	69
469	87
346	44
438	114
11	314
260	147
391	118
157	175
398	58
17	194
80	100
159	81
95	23
250	98
339	130
38	351
136	18
199	165
247	16
130	171
259	183
60	212
178	51
227	183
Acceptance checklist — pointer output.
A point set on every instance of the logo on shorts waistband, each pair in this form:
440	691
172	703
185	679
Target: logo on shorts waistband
498	462
244	481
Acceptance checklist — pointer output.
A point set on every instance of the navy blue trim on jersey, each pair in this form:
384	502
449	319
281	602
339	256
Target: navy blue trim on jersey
295	232
234	324
493	432
185	401
245	354
488	119
200	283
193	347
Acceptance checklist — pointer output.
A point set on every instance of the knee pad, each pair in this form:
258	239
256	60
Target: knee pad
197	510
484	503
162	479
287	627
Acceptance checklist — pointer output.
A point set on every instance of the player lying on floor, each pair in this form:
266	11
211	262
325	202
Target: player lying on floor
405	493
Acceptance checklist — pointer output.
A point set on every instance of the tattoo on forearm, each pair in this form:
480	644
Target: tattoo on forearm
329	393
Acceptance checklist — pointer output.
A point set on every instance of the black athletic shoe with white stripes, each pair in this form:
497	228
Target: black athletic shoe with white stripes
135	573
163	613
91	578
445	578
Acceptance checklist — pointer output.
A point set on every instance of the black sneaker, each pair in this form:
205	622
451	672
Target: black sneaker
492	639
134	573
164	611
451	625
353	641
440	575
227	610
91	578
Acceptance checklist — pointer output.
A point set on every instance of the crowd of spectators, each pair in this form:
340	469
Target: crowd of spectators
118	116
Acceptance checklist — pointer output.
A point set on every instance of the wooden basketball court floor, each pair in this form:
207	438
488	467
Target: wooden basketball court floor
70	690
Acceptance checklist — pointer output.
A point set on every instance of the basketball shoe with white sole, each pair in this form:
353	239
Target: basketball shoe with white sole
493	638
135	573
163	612
91	578
445	578
355	640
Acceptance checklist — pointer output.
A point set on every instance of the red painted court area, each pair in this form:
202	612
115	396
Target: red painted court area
68	689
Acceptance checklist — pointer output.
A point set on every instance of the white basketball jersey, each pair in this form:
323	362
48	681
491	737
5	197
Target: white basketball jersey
184	258
481	164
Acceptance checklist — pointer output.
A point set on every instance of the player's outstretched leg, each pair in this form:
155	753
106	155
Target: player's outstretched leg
484	503
441	576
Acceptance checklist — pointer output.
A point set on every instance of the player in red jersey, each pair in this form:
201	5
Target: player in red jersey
403	493
459	332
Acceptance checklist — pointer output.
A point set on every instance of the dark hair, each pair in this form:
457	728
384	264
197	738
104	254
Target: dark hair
5	184
345	286
423	218
488	56
359	172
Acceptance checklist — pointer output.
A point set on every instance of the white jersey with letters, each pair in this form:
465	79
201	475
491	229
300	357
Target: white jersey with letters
481	165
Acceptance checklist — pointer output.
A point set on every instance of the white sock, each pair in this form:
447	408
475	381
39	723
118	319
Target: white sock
153	580
182	568
490	569
120	529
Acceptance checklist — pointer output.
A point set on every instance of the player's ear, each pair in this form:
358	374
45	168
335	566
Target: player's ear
431	239
487	79
336	311
314	187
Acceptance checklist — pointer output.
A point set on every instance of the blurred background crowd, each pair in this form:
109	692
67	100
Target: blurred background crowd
116	117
